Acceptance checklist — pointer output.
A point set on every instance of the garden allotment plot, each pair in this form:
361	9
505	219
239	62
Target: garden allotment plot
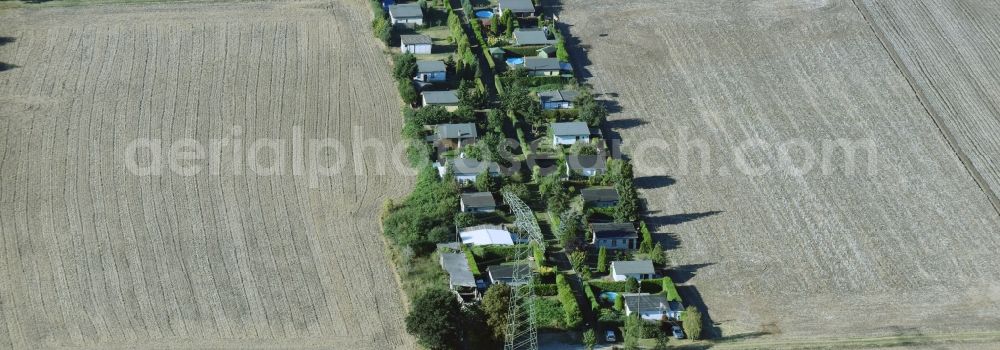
905	247
93	256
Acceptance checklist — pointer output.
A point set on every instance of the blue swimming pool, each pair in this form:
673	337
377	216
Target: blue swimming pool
515	61
484	14
609	296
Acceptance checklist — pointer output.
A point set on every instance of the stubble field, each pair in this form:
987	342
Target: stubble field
906	247
93	256
951	49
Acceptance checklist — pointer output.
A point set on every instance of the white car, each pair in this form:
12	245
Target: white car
609	336
678	332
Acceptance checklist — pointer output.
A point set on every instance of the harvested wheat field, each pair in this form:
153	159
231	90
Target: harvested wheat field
95	256
903	243
951	49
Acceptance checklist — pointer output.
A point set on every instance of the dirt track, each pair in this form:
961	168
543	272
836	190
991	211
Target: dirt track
907	248
92	255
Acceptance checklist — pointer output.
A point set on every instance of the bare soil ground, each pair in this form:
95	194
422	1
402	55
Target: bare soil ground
93	256
905	248
951	49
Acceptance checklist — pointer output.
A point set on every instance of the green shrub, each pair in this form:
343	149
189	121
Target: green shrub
602	260
548	314
561	52
494	254
472	263
670	289
610	286
539	255
527	51
647	238
404	67
572	314
382	29
431	204
610	316
651	286
546	290
589	292
407	92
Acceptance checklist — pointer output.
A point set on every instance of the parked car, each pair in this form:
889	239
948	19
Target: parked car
678	332
609	336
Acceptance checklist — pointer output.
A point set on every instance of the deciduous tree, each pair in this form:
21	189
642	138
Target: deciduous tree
404	66
496	304
435	320
691	320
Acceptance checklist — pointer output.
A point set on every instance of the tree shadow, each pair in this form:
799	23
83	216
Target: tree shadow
744	336
611	106
692	297
626	123
684	273
667	240
676	219
653	181
6	66
577	52
4	40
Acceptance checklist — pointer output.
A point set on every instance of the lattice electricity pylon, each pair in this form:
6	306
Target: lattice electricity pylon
522	332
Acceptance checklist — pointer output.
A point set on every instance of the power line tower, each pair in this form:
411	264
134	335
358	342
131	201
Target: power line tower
522	332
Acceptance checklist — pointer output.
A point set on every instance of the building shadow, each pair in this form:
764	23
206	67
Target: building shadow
653	181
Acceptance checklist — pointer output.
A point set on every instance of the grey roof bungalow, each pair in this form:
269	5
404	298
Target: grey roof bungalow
460	278
448	99
614	235
520	8
570	133
586	165
455	135
505	274
541	66
431	71
558	99
408	14
415	44
531	37
652	307
640	270
466	169
600	197
478	202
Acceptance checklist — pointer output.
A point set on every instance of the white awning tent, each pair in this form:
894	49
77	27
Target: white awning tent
486	235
